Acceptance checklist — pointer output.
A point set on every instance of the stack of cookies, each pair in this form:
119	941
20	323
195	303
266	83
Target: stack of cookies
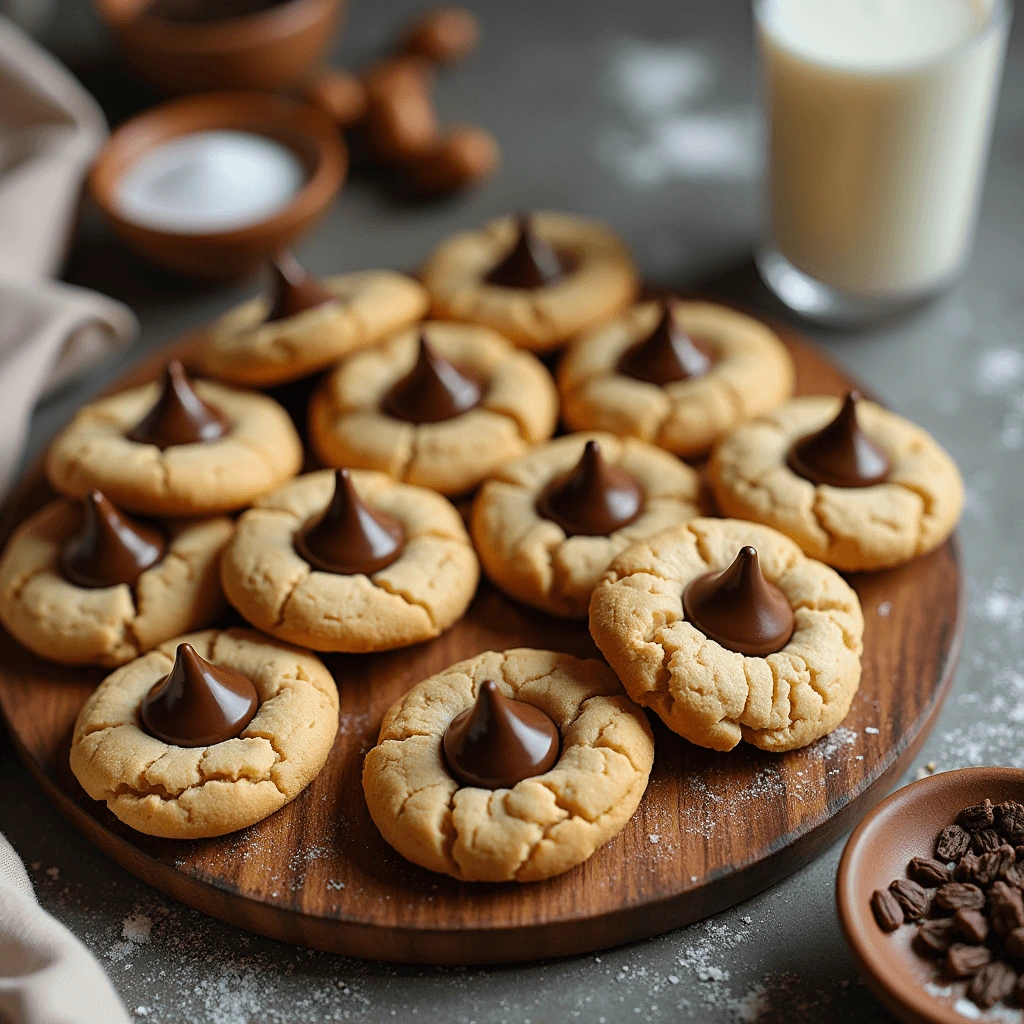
184	496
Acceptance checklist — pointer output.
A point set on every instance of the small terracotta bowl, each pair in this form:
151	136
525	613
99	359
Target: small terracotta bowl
221	255
906	825
277	47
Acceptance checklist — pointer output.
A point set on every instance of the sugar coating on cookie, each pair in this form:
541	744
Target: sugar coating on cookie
532	558
350	426
601	280
195	792
852	528
107	626
243	347
751	373
543	825
710	695
416	597
260	450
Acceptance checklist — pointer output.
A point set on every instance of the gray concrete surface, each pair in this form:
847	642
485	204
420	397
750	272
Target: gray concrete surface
566	87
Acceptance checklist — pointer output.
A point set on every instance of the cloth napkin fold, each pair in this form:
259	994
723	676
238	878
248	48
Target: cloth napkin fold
49	130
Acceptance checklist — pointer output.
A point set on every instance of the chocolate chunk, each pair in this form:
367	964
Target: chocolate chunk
887	910
179	415
667	354
934	937
993	982
1014	945
971	925
1010	820
953	843
929	872
1006	910
959	896
977	816
434	390
532	262
986	840
739	608
293	290
912	898
963	961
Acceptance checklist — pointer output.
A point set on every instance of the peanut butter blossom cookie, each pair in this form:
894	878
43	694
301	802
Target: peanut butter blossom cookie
728	632
82	583
351	562
539	280
547	525
176	447
306	325
678	374
207	734
441	407
853	484
511	766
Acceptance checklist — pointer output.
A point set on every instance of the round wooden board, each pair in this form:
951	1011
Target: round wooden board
712	829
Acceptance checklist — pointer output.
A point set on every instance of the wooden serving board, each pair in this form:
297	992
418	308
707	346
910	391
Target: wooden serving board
711	830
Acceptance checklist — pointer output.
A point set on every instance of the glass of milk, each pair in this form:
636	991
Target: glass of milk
878	119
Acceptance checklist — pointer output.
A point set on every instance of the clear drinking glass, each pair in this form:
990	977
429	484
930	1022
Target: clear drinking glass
877	146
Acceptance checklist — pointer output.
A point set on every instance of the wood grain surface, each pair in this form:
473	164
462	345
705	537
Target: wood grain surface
711	830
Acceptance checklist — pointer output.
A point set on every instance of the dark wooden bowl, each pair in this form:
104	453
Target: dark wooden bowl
903	826
237	252
280	46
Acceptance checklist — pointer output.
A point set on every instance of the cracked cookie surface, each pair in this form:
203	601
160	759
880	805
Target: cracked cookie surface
532	559
851	528
601	284
752	374
518	408
707	694
108	626
260	451
242	348
417	597
543	825
195	792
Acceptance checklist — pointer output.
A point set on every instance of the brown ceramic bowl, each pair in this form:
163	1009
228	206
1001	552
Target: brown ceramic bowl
903	826
238	252
276	47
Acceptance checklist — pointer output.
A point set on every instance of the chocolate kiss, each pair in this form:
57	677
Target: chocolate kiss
349	537
739	608
293	289
530	263
593	498
840	454
433	390
198	703
109	548
499	742
179	416
667	354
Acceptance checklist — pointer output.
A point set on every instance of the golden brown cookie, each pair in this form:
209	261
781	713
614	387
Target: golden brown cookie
598	279
417	596
350	423
258	450
707	693
851	528
534	559
193	792
542	825
242	347
748	372
108	626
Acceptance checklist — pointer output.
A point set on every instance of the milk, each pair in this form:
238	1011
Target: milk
878	118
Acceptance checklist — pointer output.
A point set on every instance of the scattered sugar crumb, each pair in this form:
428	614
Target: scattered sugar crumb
53	872
137	928
870	730
654	837
884	608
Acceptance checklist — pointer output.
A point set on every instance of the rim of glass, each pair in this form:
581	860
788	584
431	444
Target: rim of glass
998	17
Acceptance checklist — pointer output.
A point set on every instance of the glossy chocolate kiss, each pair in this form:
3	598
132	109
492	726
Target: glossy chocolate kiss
739	608
179	416
109	548
198	703
349	537
840	454
530	263
433	390
667	354
499	742
593	498
293	289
